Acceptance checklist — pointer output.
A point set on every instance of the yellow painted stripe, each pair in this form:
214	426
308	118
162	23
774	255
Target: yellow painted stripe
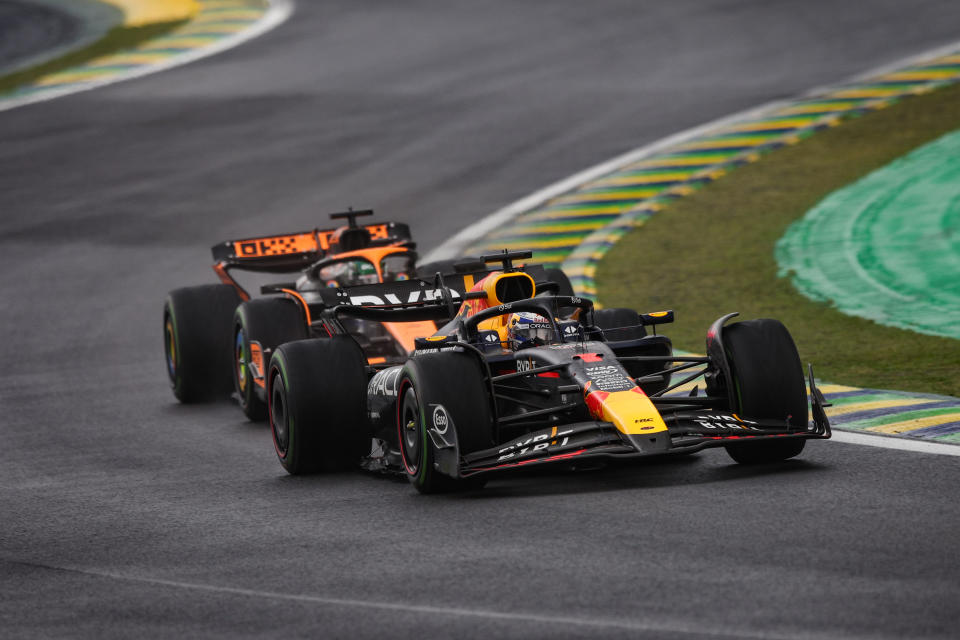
626	181
916	75
876	404
919	423
217	16
735	141
627	194
836	388
875	92
71	76
559	214
679	162
768	125
221	4
610	237
570	227
531	244
129	58
817	108
174	42
582	271
137	13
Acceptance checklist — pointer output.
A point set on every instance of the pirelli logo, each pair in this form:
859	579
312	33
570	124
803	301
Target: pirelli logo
275	246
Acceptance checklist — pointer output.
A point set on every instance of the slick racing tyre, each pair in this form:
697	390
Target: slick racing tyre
440	392
196	341
318	399
767	383
265	323
619	324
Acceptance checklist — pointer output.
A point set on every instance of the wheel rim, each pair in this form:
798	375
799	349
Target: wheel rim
170	347
410	434
278	416
240	361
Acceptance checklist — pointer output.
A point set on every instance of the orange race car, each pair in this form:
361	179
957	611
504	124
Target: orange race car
217	338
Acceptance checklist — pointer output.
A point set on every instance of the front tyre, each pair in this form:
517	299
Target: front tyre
317	391
767	383
450	385
196	341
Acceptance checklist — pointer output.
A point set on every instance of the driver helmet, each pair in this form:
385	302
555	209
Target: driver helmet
528	329
348	273
365	272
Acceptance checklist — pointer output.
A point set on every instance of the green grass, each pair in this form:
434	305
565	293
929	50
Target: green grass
712	252
115	40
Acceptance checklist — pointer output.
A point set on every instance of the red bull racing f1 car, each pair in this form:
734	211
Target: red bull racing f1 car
517	376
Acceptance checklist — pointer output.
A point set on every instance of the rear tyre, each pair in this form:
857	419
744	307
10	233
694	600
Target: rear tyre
619	324
196	341
268	322
318	398
767	383
455	383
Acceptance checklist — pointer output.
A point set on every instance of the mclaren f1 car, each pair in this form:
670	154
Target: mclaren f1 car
517	377
217	337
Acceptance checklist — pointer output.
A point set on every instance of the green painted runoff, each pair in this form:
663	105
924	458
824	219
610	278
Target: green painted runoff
887	247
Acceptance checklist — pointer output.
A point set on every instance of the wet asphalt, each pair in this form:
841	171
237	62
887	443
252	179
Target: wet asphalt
123	513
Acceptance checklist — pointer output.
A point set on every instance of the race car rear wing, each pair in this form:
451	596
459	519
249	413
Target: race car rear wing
398	294
442	288
289	252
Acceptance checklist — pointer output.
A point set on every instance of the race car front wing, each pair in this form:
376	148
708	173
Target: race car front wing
687	431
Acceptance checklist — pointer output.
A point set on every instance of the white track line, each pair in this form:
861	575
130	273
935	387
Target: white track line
539	619
277	12
896	442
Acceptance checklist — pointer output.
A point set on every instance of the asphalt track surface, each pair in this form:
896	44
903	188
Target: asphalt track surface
124	514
